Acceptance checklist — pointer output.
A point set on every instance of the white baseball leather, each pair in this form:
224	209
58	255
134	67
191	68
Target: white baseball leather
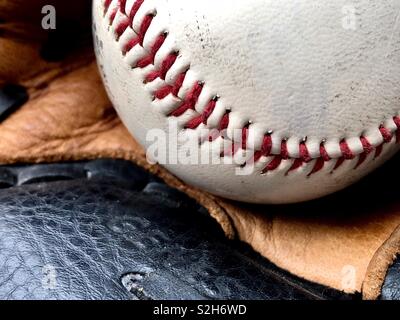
319	78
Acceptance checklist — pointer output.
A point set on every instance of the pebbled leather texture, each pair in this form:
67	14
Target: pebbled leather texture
391	286
111	231
317	69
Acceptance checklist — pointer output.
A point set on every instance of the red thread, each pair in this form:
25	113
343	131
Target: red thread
129	46
190	101
363	156
163	92
257	156
319	165
174	89
224	124
368	148
194	123
203	118
284	150
113	15
143	63
304	154
298	163
266	148
245	135
107	4
165	66
135	8
386	134
346	151
121	28
122	6
324	153
339	163
208	111
273	165
304	158
231	151
144	27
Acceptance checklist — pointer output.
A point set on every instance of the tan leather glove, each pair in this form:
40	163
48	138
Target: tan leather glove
347	241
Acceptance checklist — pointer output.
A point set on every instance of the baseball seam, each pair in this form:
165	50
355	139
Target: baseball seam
276	150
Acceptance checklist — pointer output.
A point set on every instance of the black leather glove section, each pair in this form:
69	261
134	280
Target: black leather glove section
108	230
114	232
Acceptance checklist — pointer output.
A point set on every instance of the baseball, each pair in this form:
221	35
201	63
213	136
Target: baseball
261	101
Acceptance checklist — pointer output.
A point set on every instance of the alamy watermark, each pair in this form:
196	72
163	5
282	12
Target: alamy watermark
199	147
349	278
349	20
49	20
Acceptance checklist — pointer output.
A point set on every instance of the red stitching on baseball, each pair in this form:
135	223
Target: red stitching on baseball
107	4
245	135
148	60
346	151
368	149
135	8
203	118
298	163
284	150
273	165
304	157
319	165
266	148
224	124
192	97
304	154
386	134
190	101
174	90
165	66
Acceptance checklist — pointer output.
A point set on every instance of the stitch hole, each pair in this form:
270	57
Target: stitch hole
243	165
